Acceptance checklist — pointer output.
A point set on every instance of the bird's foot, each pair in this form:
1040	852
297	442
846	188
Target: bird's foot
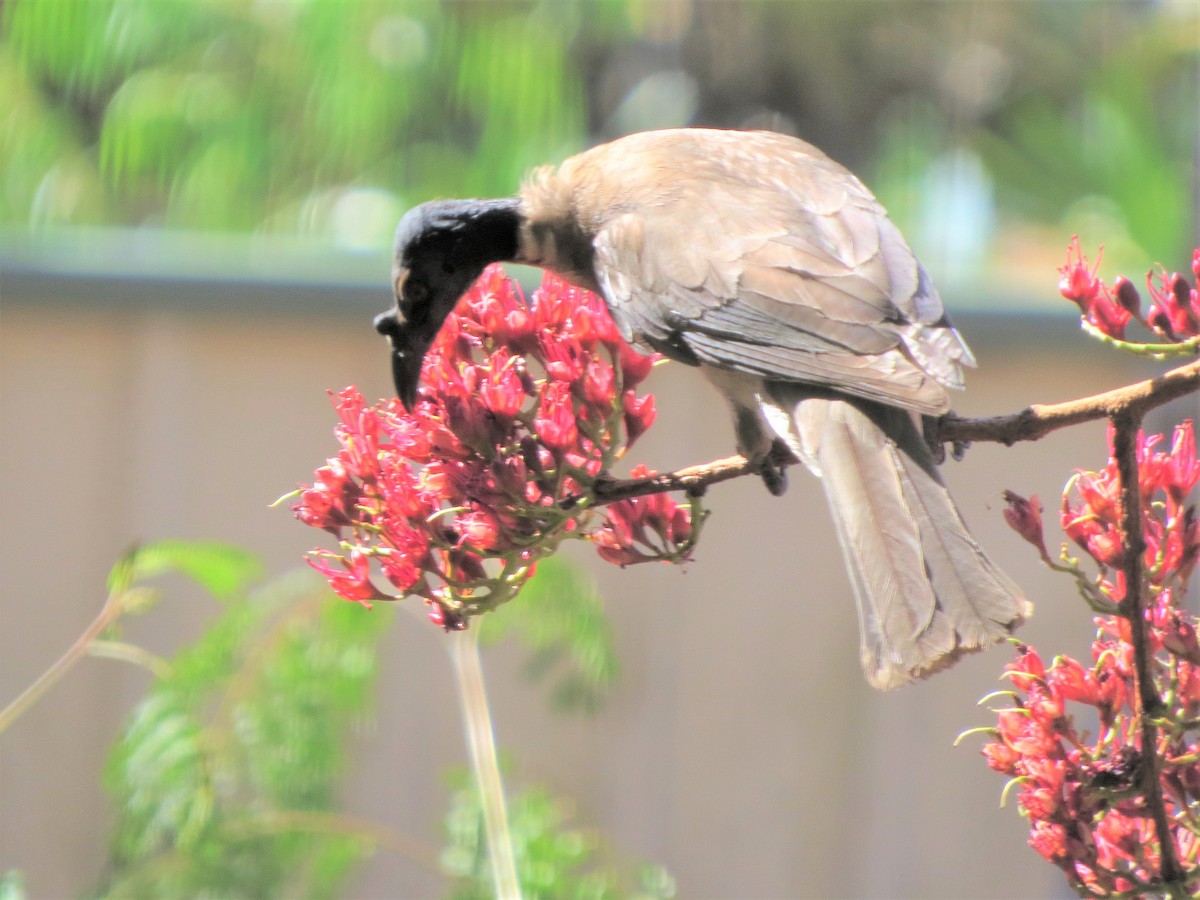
937	447
929	431
773	468
774	476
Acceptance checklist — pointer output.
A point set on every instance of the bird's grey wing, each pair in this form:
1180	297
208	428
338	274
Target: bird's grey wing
797	276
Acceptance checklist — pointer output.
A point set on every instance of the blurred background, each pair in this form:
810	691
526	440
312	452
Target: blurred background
196	206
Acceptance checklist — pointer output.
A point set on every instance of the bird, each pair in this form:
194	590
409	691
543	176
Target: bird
757	259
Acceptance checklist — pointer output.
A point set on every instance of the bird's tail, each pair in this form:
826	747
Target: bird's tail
926	591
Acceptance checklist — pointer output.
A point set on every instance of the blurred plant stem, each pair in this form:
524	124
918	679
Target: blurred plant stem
477	724
112	610
316	821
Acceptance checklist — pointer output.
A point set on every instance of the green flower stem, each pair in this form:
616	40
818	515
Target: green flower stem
1190	347
108	614
481	742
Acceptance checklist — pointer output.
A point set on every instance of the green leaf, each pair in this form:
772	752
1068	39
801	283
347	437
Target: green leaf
222	569
559	617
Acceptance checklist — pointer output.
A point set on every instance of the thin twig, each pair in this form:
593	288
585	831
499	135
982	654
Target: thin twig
78	650
1029	424
1149	702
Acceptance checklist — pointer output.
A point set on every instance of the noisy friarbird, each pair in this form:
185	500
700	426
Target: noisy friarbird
771	268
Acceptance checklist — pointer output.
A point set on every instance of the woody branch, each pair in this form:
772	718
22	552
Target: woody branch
1029	424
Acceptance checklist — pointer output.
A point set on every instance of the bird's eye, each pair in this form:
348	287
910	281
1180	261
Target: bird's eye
415	292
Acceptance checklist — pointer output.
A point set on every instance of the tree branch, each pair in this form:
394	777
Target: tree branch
1036	422
1029	424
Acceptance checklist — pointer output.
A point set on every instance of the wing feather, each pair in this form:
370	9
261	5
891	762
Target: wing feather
755	252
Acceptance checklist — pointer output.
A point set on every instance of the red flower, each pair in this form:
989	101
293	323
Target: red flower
1181	468
479	528
1050	840
330	502
1001	757
456	500
1175	310
405	552
1071	681
1082	793
352	580
643	529
1025	518
564	355
501	390
634	366
598	387
1079	283
640	413
555	422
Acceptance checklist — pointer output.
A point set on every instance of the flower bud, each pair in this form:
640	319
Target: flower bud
1025	518
1127	295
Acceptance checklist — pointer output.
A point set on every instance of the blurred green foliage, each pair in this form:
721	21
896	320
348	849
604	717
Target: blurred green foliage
555	859
1059	118
559	617
1119	158
329	118
317	116
223	778
992	131
12	886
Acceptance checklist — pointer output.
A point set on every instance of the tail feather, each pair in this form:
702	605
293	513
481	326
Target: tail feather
925	590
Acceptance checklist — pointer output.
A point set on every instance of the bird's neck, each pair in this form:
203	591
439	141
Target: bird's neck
557	243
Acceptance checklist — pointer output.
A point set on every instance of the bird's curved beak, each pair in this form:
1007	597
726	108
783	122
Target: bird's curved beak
409	346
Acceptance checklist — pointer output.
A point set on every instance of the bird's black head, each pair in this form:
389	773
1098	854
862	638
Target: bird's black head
441	248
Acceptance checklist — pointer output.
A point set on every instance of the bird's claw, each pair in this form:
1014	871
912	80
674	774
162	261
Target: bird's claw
937	447
775	478
773	468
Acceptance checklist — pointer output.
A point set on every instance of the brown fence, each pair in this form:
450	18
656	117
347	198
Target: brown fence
742	747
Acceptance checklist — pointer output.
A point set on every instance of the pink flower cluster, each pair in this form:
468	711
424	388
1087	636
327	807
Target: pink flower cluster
1080	791
1171	532
524	406
1174	312
642	529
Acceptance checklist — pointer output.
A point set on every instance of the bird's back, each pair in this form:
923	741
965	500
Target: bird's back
751	251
